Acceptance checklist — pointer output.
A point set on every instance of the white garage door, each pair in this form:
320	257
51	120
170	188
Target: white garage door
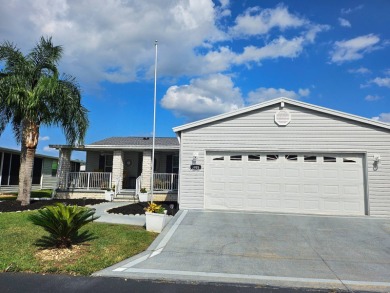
283	182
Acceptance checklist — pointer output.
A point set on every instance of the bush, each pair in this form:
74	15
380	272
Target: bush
63	224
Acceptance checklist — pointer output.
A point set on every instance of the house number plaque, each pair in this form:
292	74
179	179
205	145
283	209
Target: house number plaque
195	167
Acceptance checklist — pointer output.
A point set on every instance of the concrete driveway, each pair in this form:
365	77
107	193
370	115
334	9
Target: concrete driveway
268	249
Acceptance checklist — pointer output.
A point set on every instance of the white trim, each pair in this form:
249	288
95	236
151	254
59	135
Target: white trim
280	100
9	168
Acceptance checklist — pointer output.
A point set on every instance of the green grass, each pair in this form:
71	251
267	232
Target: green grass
114	243
36	193
41	193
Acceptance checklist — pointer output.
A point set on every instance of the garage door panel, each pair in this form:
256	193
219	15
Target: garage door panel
292	188
292	204
292	173
331	190
327	185
270	187
330	173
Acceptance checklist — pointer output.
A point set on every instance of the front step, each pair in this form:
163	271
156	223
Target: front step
126	195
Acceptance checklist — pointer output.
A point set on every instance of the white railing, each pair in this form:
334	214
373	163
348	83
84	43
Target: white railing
87	180
165	181
138	183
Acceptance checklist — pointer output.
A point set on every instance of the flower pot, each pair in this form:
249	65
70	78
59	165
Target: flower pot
156	222
143	197
108	195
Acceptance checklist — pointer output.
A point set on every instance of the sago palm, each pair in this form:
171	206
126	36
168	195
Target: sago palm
63	224
33	94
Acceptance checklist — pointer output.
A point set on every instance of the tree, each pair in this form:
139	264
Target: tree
33	94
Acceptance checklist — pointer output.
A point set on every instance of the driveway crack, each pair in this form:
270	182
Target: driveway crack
325	262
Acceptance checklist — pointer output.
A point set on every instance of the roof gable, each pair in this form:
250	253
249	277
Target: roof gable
276	101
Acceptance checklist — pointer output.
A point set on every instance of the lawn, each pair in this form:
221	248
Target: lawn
34	194
19	254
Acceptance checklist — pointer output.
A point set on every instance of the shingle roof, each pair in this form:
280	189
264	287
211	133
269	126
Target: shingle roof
137	141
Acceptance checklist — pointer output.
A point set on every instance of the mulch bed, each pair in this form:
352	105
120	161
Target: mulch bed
14	206
138	208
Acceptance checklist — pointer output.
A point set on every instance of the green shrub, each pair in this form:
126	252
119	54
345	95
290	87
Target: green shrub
63	223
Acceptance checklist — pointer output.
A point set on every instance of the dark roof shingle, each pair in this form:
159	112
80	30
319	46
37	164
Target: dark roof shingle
136	141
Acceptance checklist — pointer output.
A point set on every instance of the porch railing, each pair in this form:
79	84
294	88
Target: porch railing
165	181
87	180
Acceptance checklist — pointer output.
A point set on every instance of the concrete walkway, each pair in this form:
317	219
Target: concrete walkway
347	253
101	211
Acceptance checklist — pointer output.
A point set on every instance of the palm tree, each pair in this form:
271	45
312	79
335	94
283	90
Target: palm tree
33	94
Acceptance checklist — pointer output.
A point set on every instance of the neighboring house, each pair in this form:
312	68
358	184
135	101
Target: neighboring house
286	156
44	172
122	163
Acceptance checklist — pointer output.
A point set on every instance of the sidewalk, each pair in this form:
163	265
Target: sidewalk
101	211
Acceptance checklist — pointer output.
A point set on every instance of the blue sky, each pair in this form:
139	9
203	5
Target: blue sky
214	57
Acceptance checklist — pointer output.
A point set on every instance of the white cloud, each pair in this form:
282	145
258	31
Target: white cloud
264	94
343	22
44	138
383	117
203	97
48	149
114	40
371	98
360	70
350	10
257	21
381	81
354	49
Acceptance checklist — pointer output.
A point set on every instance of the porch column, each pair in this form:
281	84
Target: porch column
146	169
117	169
63	167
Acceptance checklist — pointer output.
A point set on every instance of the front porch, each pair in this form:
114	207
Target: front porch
123	171
101	181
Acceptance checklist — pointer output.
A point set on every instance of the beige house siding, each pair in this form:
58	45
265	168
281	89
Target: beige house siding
308	131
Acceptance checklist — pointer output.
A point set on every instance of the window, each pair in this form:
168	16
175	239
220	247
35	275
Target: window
54	167
348	160
329	159
253	157
219	159
291	158
236	158
310	159
272	157
175	164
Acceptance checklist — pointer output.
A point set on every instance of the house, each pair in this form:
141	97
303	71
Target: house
282	155
286	156
122	163
44	171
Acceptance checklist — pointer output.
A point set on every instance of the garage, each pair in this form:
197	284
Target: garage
286	156
308	183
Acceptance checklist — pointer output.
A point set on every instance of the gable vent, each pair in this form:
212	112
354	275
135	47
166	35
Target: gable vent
282	117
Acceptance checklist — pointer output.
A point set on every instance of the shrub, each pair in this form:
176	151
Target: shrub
154	208
63	224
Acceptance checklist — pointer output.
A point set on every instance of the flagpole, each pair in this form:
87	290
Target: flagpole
154	123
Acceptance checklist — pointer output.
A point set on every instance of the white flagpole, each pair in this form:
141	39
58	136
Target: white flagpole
154	123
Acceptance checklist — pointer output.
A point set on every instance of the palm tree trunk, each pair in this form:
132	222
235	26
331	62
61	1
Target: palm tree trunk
29	144
22	170
27	180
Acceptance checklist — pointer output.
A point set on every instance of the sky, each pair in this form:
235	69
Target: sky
213	57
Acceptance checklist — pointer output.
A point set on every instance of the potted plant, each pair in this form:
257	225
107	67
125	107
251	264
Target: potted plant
109	194
156	217
143	195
